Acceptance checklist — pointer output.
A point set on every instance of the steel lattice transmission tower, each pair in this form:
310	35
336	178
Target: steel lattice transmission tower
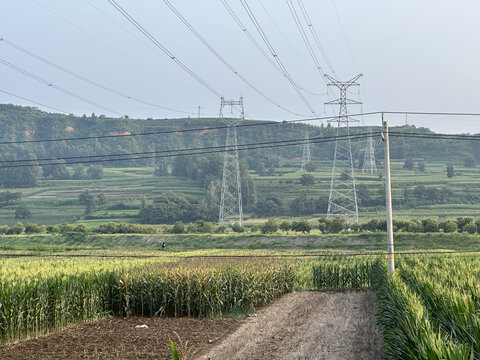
369	164
343	195
306	157
231	197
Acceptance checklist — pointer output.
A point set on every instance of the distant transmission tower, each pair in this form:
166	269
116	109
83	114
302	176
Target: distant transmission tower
369	158
231	197
306	157
343	195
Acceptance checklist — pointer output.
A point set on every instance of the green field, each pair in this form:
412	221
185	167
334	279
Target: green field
56	201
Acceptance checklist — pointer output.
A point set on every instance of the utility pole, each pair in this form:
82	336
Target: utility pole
388	200
369	164
343	195
231	196
199	111
306	157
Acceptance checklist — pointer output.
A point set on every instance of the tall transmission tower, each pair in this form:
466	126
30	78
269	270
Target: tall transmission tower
343	195
306	157
231	197
369	164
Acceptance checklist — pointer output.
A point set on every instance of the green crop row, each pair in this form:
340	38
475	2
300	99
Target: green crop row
33	306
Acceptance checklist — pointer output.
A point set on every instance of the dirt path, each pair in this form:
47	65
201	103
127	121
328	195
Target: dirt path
307	325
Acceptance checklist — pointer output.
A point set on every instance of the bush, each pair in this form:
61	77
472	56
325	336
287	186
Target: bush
4	229
178	228
414	226
448	226
255	228
237	228
34	229
16	229
301	226
53	229
220	229
470	228
430	225
270	226
285	226
337	225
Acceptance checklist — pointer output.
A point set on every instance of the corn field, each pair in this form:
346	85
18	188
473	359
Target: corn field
37	296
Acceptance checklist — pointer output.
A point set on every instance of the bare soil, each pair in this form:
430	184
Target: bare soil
117	338
307	325
301	325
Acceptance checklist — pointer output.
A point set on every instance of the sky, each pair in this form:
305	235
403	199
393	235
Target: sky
414	56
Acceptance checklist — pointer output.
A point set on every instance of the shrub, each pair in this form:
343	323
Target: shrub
470	228
285	226
337	225
53	229
448	226
33	229
4	229
430	225
220	229
178	228
301	226
16	229
237	228
270	226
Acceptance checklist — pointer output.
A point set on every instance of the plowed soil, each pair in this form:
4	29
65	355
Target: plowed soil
117	338
301	325
307	325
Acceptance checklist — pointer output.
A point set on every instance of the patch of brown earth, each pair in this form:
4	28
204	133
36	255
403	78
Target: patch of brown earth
307	325
117	338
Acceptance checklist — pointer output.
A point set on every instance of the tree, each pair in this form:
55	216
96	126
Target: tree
23	212
271	205
408	164
430	225
87	199
270	226
56	171
301	226
102	199
307	180
450	171
178	228
285	225
95	172
363	193
311	167
421	166
78	172
337	225
17	229
237	228
448	226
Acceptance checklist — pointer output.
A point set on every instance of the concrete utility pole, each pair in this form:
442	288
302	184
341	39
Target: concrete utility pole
231	196
388	197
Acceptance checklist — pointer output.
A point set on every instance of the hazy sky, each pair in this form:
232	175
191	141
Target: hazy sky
415	56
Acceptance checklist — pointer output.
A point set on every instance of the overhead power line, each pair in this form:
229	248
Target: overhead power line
106	88
33	102
222	59
177	152
179	131
243	125
315	36
56	87
259	47
275	54
304	36
163	48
